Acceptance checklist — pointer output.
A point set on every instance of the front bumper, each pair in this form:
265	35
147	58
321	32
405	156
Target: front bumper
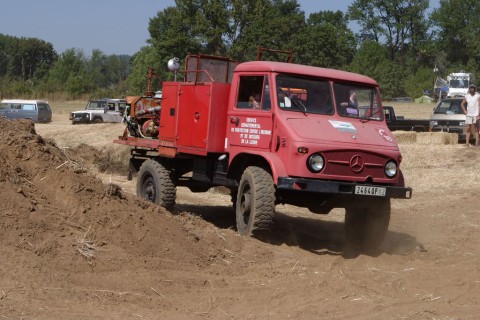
340	188
80	118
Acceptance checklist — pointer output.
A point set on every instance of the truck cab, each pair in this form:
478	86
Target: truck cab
273	133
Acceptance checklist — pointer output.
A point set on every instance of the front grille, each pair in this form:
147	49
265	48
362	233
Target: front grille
354	163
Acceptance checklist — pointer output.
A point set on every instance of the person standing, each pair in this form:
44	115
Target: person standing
472	100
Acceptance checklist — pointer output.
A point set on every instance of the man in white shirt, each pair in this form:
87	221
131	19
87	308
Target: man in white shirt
472	100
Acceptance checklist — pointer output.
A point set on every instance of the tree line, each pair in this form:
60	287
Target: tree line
30	68
398	43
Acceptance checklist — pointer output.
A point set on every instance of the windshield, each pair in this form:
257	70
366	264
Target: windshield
96	105
459	83
449	107
356	101
308	95
314	95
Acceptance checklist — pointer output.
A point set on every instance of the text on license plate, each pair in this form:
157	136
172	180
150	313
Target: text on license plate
370	191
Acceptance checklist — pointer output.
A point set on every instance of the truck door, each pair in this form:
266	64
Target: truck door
168	119
194	102
251	121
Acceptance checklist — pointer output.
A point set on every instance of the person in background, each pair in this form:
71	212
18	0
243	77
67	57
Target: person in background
472	102
353	100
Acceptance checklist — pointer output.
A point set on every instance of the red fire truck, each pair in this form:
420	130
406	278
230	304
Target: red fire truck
273	133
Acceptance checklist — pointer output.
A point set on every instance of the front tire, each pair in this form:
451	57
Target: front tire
367	225
156	184
255	202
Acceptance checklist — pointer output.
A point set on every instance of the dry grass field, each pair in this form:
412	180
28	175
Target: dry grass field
412	110
76	247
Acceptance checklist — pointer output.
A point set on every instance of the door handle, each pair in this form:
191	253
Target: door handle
235	120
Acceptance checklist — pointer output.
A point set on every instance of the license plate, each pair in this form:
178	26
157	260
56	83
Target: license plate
370	191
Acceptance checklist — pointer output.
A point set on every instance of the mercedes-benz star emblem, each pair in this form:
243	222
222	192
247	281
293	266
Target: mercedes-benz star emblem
356	163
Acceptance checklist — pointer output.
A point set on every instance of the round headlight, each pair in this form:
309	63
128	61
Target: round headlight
315	163
391	169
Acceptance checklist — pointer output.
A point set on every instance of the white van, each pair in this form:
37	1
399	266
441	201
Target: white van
36	110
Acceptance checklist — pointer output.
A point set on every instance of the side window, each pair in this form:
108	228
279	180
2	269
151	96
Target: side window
111	106
28	107
251	93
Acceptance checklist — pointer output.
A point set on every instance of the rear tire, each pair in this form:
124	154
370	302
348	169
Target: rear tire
156	184
366	226
255	202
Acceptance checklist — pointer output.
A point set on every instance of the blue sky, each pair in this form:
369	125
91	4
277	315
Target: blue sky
112	26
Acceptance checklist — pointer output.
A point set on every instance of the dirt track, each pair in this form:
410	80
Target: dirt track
74	247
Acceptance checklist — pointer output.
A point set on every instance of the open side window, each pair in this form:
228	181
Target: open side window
254	93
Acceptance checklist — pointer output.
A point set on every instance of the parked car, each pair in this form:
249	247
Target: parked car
403	99
36	110
448	116
99	111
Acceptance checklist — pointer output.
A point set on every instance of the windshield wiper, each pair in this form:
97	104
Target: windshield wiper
297	103
371	117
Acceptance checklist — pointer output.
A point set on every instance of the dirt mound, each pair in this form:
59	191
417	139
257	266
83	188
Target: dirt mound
94	159
72	247
63	218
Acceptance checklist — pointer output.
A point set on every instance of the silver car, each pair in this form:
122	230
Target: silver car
36	110
99	111
448	116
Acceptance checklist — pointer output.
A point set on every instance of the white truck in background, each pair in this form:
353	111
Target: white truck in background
458	84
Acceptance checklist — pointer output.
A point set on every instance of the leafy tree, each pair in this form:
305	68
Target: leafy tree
141	62
20	57
418	81
263	23
225	27
172	33
372	60
97	69
400	24
458	25
327	41
67	72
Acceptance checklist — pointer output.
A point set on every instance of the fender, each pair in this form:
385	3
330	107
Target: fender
275	163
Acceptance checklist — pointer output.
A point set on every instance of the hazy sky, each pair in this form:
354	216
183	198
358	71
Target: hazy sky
112	26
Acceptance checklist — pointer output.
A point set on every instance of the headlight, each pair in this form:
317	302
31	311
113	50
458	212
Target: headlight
390	169
315	163
433	123
461	123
